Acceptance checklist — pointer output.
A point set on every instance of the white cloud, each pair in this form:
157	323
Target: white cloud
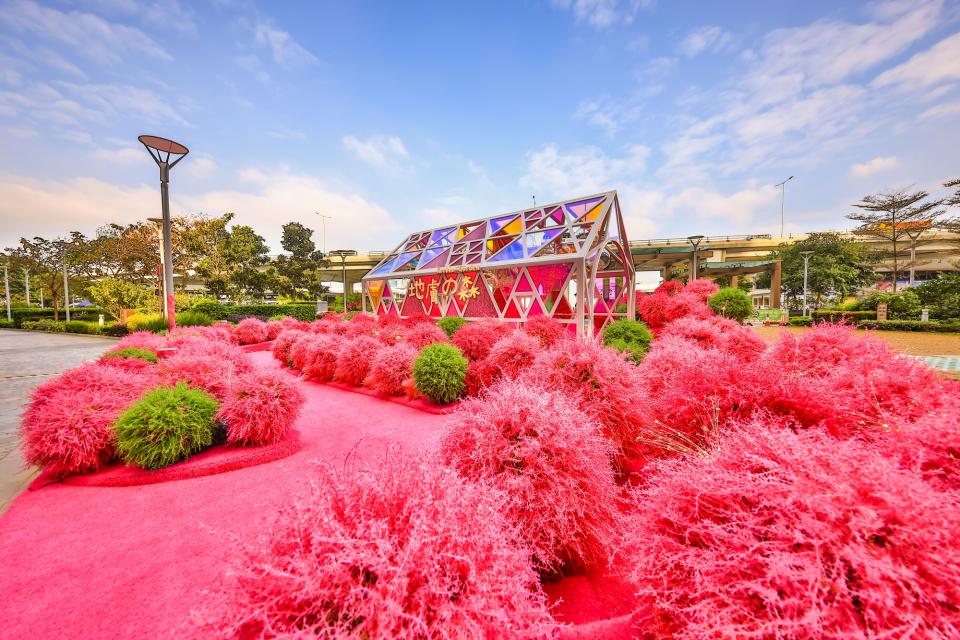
553	175
939	63
878	164
941	110
267	199
703	38
85	34
286	51
603	13
743	206
379	151
168	14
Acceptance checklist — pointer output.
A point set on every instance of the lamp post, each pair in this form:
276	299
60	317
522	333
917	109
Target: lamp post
695	241
343	254
783	197
806	263
26	284
6	289
914	235
160	149
325	218
66	287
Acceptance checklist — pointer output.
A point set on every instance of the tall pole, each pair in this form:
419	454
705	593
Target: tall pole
694	263
66	288
324	218
163	282
6	288
26	281
914	237
41	297
167	247
806	262
783	197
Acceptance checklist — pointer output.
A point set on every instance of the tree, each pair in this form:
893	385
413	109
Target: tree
229	260
942	296
299	273
47	259
114	294
838	267
893	215
731	303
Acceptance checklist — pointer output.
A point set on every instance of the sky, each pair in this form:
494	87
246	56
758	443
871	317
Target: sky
390	117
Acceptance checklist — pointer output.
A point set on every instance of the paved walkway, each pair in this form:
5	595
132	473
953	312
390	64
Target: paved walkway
950	364
27	359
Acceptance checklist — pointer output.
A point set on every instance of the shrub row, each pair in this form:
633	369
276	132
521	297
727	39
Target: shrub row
219	311
838	315
910	325
31	314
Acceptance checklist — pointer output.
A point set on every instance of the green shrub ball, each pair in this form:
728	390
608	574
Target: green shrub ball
628	336
440	372
731	303
131	352
166	426
451	325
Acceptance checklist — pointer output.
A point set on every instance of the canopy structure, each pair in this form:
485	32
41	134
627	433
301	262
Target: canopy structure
568	260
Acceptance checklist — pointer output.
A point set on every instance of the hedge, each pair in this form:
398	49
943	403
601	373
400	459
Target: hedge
219	311
837	315
81	313
910	325
801	321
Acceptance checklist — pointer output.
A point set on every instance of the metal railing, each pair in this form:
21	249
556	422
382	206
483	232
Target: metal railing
706	240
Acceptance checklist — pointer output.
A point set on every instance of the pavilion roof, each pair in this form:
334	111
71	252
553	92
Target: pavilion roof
569	229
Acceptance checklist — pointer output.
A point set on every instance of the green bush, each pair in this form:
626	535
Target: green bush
801	321
30	314
731	303
910	325
7	324
451	325
440	372
80	326
219	311
941	296
45	325
840	315
166	426
628	336
903	305
193	318
131	352
147	322
116	329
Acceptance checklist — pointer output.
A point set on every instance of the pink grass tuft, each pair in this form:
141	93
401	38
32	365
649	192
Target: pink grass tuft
261	408
391	367
251	331
354	358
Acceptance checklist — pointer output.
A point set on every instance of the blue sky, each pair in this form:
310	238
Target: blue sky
391	117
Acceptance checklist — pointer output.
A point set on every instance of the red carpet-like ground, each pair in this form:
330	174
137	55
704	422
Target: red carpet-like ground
130	562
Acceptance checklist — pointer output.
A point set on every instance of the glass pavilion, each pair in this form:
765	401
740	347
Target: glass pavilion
569	261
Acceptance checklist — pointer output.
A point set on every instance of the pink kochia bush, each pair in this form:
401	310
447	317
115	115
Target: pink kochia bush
353	360
475	339
402	550
422	334
284	342
260	408
717	332
778	534
550	459
670	302
67	428
849	383
546	330
391	368
251	331
141	340
204	364
320	362
602	383
930	445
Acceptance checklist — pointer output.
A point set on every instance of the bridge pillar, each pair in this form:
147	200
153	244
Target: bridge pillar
734	281
775	285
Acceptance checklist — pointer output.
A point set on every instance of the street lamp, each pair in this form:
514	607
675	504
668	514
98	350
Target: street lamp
806	263
695	241
783	196
6	289
325	218
160	149
343	254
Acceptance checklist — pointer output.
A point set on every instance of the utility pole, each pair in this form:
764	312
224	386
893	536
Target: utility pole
694	263
806	262
324	218
783	197
343	254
